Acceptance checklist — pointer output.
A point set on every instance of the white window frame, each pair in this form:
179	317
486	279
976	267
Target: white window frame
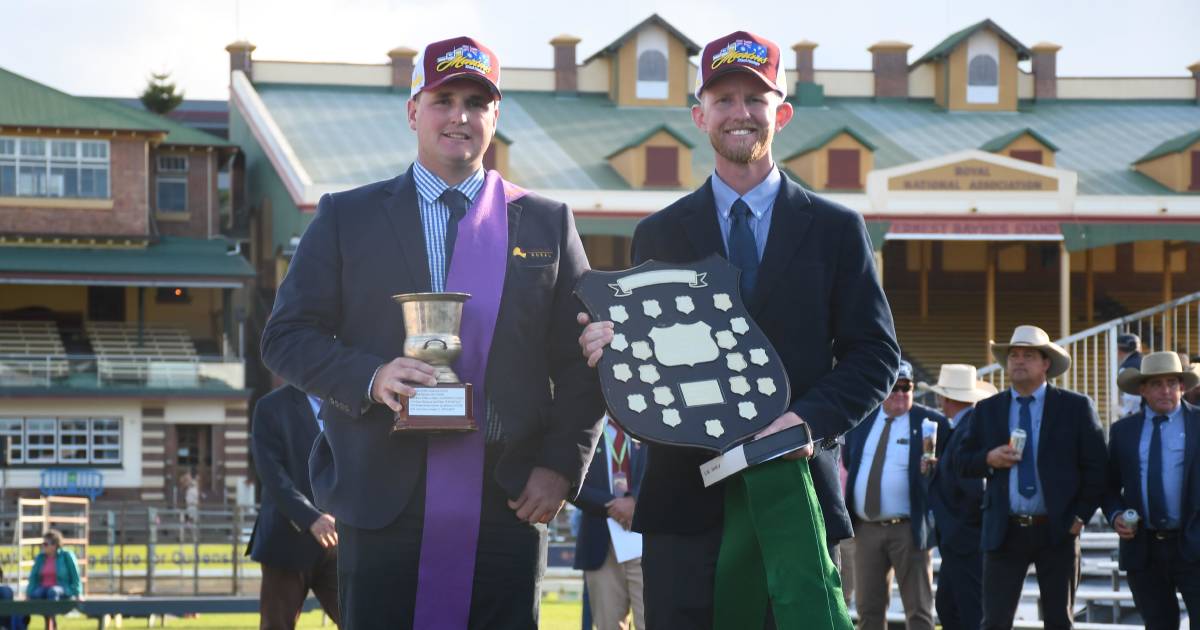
21	430
51	448
172	163
81	441
94	445
48	162
14	429
652	39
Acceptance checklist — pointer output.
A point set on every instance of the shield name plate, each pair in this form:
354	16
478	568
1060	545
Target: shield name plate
687	365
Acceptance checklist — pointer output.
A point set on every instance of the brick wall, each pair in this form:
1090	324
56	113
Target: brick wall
200	189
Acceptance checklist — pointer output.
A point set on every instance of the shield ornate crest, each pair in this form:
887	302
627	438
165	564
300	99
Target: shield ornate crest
687	365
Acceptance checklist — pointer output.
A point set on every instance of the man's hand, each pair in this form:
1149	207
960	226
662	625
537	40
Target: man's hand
323	530
594	338
544	495
1003	457
785	421
393	379
928	464
1125	530
620	510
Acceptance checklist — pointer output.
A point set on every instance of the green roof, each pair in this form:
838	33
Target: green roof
172	257
27	103
1174	145
948	45
691	46
177	133
650	134
825	139
999	143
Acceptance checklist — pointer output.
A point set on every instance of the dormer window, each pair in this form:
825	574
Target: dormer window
652	63
1029	155
844	169
662	166
983	68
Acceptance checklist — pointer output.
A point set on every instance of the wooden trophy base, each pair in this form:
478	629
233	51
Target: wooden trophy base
444	407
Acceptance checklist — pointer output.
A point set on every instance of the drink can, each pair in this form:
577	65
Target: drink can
1017	440
1131	517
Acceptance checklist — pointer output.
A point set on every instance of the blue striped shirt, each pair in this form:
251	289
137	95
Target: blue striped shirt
435	215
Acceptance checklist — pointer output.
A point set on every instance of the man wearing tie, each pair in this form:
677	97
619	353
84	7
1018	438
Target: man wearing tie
610	491
955	501
1153	471
886	491
1040	496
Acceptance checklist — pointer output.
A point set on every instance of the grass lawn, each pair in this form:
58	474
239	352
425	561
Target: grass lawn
556	615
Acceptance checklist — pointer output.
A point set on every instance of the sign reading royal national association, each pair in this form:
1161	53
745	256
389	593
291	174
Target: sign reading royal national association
972	175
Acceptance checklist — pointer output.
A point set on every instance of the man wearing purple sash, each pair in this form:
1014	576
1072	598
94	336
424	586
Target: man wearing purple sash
441	531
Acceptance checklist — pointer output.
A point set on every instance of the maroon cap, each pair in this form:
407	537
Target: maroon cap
745	52
461	57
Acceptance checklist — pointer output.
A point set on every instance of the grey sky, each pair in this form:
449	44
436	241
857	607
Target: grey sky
109	47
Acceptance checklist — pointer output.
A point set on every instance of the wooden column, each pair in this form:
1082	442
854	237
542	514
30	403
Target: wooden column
1167	291
1064	290
926	262
1089	273
990	315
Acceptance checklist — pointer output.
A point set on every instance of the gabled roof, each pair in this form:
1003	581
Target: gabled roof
950	43
823	140
650	134
692	47
1000	142
1174	145
177	133
27	103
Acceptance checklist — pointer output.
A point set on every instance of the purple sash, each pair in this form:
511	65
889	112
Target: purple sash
454	463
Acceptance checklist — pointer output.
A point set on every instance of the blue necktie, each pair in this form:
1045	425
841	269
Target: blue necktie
457	202
1154	480
1027	469
743	251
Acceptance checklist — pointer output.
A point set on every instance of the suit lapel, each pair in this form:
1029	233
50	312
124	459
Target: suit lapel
999	480
1131	444
1191	436
405	216
916	447
514	224
788	225
1048	426
700	225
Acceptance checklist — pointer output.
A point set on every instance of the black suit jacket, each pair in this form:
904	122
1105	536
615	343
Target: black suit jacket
334	323
819	301
956	500
1071	465
856	443
591	546
281	436
1125	487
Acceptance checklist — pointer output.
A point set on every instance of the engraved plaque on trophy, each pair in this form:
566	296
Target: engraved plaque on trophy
431	326
687	365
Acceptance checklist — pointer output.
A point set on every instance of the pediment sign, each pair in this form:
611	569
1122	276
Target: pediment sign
973	175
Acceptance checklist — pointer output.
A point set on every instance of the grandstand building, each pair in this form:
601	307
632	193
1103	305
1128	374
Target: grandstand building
995	190
121	346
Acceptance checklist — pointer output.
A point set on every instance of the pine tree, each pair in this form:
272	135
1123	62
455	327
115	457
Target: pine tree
160	96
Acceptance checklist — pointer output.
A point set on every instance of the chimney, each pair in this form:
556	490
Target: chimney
804	61
566	72
239	57
889	62
402	67
1045	71
1195	69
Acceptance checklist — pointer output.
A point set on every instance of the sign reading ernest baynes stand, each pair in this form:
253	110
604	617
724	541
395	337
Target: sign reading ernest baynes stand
687	365
431	325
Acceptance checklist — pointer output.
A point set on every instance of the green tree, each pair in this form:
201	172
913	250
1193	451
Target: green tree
160	95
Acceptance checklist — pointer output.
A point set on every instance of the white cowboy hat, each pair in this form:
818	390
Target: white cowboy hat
1157	364
1036	338
958	381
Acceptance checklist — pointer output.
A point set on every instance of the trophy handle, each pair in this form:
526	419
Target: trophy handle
435	340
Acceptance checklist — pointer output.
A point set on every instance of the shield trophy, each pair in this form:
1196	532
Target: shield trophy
431	326
687	365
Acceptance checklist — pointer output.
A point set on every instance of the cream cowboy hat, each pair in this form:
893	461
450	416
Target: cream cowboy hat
1157	364
958	381
1036	338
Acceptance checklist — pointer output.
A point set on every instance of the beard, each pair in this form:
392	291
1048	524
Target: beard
742	154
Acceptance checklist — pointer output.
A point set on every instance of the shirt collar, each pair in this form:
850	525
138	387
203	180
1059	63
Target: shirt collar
1039	394
315	403
959	416
1171	417
760	198
430	187
903	416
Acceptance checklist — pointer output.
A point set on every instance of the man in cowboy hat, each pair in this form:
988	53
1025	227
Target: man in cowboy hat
1153	470
1036	503
1129	355
887	496
955	502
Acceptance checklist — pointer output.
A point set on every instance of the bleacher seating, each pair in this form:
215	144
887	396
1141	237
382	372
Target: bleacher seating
165	354
32	347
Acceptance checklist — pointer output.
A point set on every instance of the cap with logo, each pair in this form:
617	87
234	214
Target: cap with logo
741	52
457	58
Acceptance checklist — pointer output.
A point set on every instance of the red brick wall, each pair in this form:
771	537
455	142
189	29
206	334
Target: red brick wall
200	188
128	216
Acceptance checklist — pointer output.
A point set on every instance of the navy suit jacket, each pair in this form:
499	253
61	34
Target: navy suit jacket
956	500
1071	466
1124	489
281	436
856	442
334	323
591	546
819	302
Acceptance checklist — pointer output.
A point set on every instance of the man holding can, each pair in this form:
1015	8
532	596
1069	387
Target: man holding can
1036	502
1152	488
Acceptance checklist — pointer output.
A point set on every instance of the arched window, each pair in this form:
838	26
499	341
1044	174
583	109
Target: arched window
652	66
983	70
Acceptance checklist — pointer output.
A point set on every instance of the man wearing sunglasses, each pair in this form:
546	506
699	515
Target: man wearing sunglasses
886	492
